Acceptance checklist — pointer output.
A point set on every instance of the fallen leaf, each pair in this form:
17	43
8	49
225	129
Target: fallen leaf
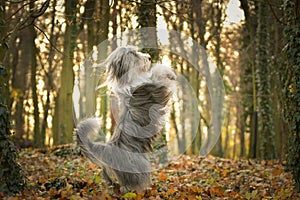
97	179
171	191
162	176
129	195
276	171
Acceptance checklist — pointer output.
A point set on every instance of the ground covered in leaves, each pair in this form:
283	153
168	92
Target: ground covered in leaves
62	173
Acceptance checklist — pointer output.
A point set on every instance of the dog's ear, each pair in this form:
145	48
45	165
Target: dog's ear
118	68
119	63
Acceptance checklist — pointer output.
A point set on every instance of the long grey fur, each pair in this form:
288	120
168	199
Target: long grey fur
144	96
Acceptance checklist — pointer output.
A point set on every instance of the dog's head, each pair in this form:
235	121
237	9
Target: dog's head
126	62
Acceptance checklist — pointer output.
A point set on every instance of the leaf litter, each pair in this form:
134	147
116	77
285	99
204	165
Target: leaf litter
68	175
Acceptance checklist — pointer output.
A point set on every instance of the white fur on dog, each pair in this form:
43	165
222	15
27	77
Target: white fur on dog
144	95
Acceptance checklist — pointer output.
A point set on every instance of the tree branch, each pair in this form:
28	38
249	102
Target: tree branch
274	14
41	11
48	39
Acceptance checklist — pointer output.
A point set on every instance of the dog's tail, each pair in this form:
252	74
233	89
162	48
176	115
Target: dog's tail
113	156
86	130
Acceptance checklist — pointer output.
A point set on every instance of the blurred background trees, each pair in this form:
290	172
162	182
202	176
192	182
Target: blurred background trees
253	43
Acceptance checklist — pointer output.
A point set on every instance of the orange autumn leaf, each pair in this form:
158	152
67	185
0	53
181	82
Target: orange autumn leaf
13	198
162	176
191	197
216	191
171	191
277	171
196	189
92	166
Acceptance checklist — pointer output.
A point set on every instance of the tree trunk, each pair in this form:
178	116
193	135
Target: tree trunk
292	86
114	45
248	84
241	125
103	26
5	96
173	121
182	117
38	139
265	114
11	176
201	27
196	18
147	18
218	149
20	80
227	135
48	74
88	93
253	144
63	120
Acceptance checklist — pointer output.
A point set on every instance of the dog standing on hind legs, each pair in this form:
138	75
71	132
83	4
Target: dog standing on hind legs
144	95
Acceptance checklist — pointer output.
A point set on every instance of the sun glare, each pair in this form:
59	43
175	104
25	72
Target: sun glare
234	14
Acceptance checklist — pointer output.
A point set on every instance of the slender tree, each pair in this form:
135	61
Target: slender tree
20	83
103	29
266	126
248	83
63	121
218	9
89	106
147	17
146	12
114	15
38	140
49	86
198	27
196	140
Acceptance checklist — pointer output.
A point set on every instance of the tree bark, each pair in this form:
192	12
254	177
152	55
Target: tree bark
12	178
265	114
38	139
292	86
146	12
88	93
5	96
63	120
103	27
218	149
49	73
248	84
20	83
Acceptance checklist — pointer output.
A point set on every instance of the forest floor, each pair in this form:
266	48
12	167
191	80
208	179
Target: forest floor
61	174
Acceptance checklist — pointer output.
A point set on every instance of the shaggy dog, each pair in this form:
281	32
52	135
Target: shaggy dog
143	95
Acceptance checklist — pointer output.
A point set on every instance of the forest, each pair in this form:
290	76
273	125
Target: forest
233	131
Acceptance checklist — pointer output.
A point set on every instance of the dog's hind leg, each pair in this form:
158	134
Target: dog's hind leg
107	178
